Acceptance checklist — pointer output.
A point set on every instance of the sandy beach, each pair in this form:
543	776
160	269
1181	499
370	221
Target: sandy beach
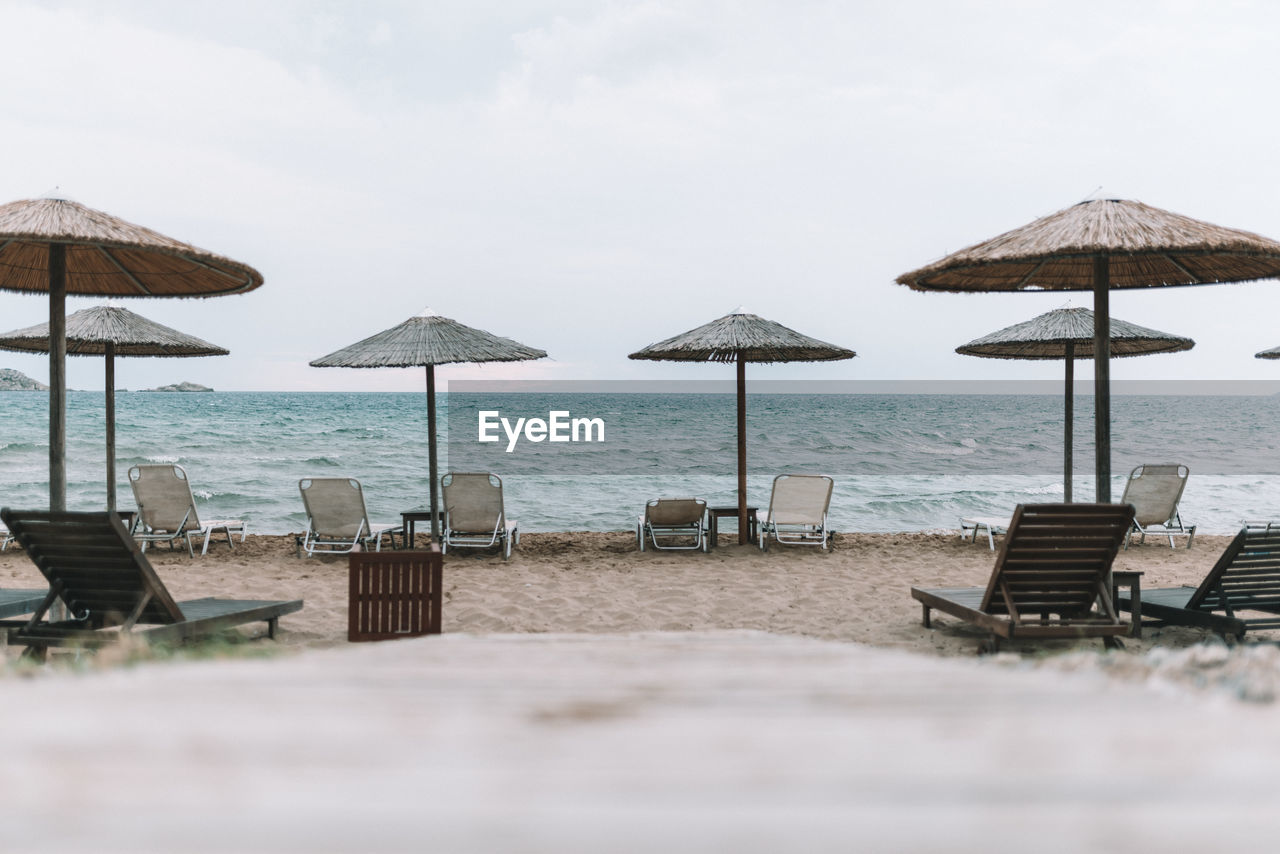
586	697
600	583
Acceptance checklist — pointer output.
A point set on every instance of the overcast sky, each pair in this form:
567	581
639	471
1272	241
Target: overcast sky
591	177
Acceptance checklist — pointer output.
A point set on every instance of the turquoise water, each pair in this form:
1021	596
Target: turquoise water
901	462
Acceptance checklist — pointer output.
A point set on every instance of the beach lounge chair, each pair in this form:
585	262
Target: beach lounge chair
474	515
1245	578
167	509
1154	491
1052	570
109	587
797	513
993	525
674	520
337	521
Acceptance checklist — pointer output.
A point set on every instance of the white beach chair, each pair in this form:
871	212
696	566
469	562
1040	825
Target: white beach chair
992	525
167	509
474	515
1154	491
797	513
674	520
337	521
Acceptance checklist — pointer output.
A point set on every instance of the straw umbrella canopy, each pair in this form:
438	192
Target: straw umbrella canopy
429	340
1098	246
111	331
1273	353
741	337
1067	334
62	247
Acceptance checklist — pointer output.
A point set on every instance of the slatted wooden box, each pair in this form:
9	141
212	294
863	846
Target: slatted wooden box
395	594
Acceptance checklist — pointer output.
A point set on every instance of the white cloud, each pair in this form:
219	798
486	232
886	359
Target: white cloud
593	177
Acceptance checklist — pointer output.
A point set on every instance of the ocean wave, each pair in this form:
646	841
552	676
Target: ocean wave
901	463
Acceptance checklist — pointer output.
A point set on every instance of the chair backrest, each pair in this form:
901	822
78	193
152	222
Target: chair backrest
94	563
472	501
1247	573
335	506
163	495
1055	558
666	512
1154	491
800	499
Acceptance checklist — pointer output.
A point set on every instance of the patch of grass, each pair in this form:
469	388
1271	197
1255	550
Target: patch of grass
229	645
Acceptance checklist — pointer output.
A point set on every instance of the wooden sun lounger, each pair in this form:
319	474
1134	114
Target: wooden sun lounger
1245	578
109	587
1054	566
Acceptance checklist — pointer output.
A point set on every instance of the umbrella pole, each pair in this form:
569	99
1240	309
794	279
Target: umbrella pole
743	532
1067	402
1102	376
57	377
111	427
431	451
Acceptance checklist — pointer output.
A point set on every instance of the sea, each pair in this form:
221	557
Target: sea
901	462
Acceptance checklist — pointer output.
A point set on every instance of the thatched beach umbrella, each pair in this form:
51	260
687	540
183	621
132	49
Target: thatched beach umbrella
740	337
111	331
1098	246
428	340
1067	334
1273	353
62	247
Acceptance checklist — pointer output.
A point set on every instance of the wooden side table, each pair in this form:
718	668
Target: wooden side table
732	513
1132	580
409	519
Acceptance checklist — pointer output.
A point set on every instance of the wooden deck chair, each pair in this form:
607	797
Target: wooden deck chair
167	509
1245	578
1154	491
797	513
674	521
337	521
109	588
474	515
1051	578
